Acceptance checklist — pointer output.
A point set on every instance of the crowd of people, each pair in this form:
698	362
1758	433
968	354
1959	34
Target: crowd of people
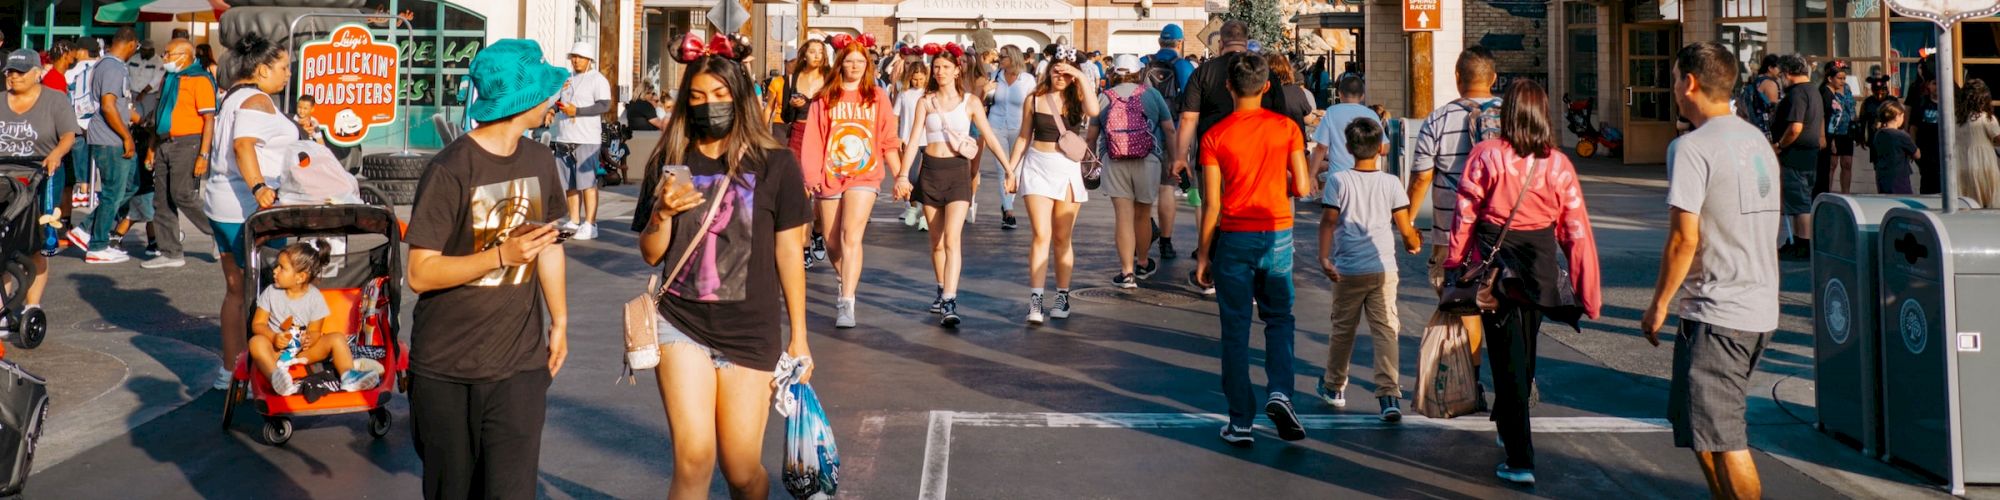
752	184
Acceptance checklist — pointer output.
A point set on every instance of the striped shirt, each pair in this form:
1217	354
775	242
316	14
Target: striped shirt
1443	145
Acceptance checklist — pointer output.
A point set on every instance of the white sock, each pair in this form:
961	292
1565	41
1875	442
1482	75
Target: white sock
951	297
1034	291
1062	291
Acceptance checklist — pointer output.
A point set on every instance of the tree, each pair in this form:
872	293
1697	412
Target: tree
1266	26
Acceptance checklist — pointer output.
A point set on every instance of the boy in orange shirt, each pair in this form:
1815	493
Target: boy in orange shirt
1253	163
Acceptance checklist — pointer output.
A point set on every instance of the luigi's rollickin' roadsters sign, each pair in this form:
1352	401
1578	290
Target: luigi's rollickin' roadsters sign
352	79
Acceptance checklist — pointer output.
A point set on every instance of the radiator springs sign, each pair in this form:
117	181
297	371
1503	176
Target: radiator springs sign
352	79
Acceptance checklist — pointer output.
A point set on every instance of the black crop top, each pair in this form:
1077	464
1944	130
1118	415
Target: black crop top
1045	128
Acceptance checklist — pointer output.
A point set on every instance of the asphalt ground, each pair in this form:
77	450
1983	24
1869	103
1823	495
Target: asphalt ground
1118	401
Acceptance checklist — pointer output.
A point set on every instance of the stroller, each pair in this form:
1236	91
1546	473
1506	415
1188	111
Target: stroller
361	286
611	158
20	238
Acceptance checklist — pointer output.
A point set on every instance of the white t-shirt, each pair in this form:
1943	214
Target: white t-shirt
1365	241
80	99
584	89
1727	175
226	197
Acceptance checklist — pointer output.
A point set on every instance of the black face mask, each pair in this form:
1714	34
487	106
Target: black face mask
710	121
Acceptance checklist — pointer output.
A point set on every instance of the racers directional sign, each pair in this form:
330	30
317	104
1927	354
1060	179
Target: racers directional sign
1422	15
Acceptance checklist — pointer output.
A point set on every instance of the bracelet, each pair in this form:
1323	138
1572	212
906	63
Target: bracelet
502	255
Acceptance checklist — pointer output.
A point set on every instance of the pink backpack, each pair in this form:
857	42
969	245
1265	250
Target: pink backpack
1129	135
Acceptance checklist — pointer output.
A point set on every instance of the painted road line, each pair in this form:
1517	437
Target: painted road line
937	443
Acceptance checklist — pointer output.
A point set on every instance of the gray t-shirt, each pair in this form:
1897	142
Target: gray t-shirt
1725	173
35	133
1364	242
302	311
110	77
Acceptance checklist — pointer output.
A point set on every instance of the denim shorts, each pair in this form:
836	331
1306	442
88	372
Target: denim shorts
669	335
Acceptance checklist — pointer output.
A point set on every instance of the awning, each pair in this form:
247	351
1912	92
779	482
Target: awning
132	11
1330	20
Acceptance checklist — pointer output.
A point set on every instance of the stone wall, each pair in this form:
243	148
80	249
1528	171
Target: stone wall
1517	33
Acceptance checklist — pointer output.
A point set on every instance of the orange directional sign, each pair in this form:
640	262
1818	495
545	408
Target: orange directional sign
352	78
1422	15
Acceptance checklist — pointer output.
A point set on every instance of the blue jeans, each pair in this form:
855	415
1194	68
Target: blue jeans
118	176
1258	266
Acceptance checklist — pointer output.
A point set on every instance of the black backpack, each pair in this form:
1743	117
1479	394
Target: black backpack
1164	78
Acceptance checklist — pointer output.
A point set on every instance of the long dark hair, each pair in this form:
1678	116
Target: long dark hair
1524	119
935	86
747	139
309	257
799	63
1974	100
1072	96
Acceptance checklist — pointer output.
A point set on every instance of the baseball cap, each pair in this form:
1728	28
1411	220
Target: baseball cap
23	60
1125	64
1172	32
511	77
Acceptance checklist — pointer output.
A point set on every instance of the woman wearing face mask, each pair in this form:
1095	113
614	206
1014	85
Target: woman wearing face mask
1051	182
947	116
719	337
245	166
850	145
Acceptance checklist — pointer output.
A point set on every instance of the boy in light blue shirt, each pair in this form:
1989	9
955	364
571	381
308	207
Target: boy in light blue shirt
1329	139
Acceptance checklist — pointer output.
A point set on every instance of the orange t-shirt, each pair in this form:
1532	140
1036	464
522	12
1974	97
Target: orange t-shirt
1254	150
196	99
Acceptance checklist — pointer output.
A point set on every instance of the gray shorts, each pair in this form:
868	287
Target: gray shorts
670	336
1133	179
579	165
1798	171
1712	367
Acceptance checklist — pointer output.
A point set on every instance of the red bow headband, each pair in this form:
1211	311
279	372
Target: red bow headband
932	49
731	47
908	50
841	41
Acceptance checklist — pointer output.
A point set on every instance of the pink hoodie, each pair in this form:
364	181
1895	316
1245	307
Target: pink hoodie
1493	176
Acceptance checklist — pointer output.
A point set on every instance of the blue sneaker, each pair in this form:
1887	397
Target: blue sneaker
1237	436
1513	475
1336	399
356	380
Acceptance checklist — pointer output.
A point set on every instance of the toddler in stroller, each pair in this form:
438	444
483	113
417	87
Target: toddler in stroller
289	324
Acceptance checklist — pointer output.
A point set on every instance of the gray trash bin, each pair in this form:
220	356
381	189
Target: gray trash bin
1940	274
1846	350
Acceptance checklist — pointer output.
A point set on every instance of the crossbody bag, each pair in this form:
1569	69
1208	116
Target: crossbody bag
642	328
1472	290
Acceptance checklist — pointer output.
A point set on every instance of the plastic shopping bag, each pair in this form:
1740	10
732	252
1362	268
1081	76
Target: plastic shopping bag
1447	383
812	463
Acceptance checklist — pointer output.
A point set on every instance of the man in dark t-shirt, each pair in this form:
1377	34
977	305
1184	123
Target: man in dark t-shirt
1798	129
485	260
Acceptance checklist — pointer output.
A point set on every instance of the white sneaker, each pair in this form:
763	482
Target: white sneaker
106	256
843	313
163	262
1035	316
78	238
222	379
910	216
281	382
586	232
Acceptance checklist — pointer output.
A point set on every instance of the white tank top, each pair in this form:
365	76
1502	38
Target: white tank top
938	124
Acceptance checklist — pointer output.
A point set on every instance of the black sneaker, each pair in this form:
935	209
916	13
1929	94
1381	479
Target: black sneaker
1146	270
1167	248
950	309
1390	411
1007	221
1238	436
1279	408
1125	281
937	305
1061	310
819	247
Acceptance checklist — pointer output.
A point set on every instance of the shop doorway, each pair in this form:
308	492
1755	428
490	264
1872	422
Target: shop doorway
1649	103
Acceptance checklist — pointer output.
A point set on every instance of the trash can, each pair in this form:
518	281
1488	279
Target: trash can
1846	350
1939	276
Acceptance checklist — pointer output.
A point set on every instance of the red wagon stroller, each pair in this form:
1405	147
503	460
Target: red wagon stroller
361	286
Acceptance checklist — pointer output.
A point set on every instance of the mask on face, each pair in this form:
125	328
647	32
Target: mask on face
710	121
172	66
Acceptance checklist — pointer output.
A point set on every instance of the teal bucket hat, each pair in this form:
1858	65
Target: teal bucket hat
510	77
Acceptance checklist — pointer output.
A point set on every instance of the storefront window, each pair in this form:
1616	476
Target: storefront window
1979	50
1862	32
1582	43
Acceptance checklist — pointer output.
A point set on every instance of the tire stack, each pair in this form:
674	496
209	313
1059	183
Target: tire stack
392	177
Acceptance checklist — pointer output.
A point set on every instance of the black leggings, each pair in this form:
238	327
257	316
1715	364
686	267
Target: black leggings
1511	335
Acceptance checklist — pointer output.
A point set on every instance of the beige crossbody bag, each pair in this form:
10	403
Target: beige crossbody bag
642	329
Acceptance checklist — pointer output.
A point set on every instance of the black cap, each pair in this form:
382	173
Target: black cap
23	60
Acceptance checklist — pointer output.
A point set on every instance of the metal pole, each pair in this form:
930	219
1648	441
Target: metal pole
1945	92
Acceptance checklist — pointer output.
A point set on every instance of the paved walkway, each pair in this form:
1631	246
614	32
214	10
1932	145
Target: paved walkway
1116	402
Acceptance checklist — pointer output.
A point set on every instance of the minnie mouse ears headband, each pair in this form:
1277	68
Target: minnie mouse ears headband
952	48
732	47
1065	53
841	41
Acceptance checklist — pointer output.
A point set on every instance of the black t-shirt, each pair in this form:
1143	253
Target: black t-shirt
1924	119
1890	152
639	115
1801	105
1298	104
1207	93
727	296
1871	116
468	201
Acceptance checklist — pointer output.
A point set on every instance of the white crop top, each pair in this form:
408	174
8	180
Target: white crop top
938	123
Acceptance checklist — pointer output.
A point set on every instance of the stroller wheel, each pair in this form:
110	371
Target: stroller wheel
1586	148
230	399
277	430
378	422
34	327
